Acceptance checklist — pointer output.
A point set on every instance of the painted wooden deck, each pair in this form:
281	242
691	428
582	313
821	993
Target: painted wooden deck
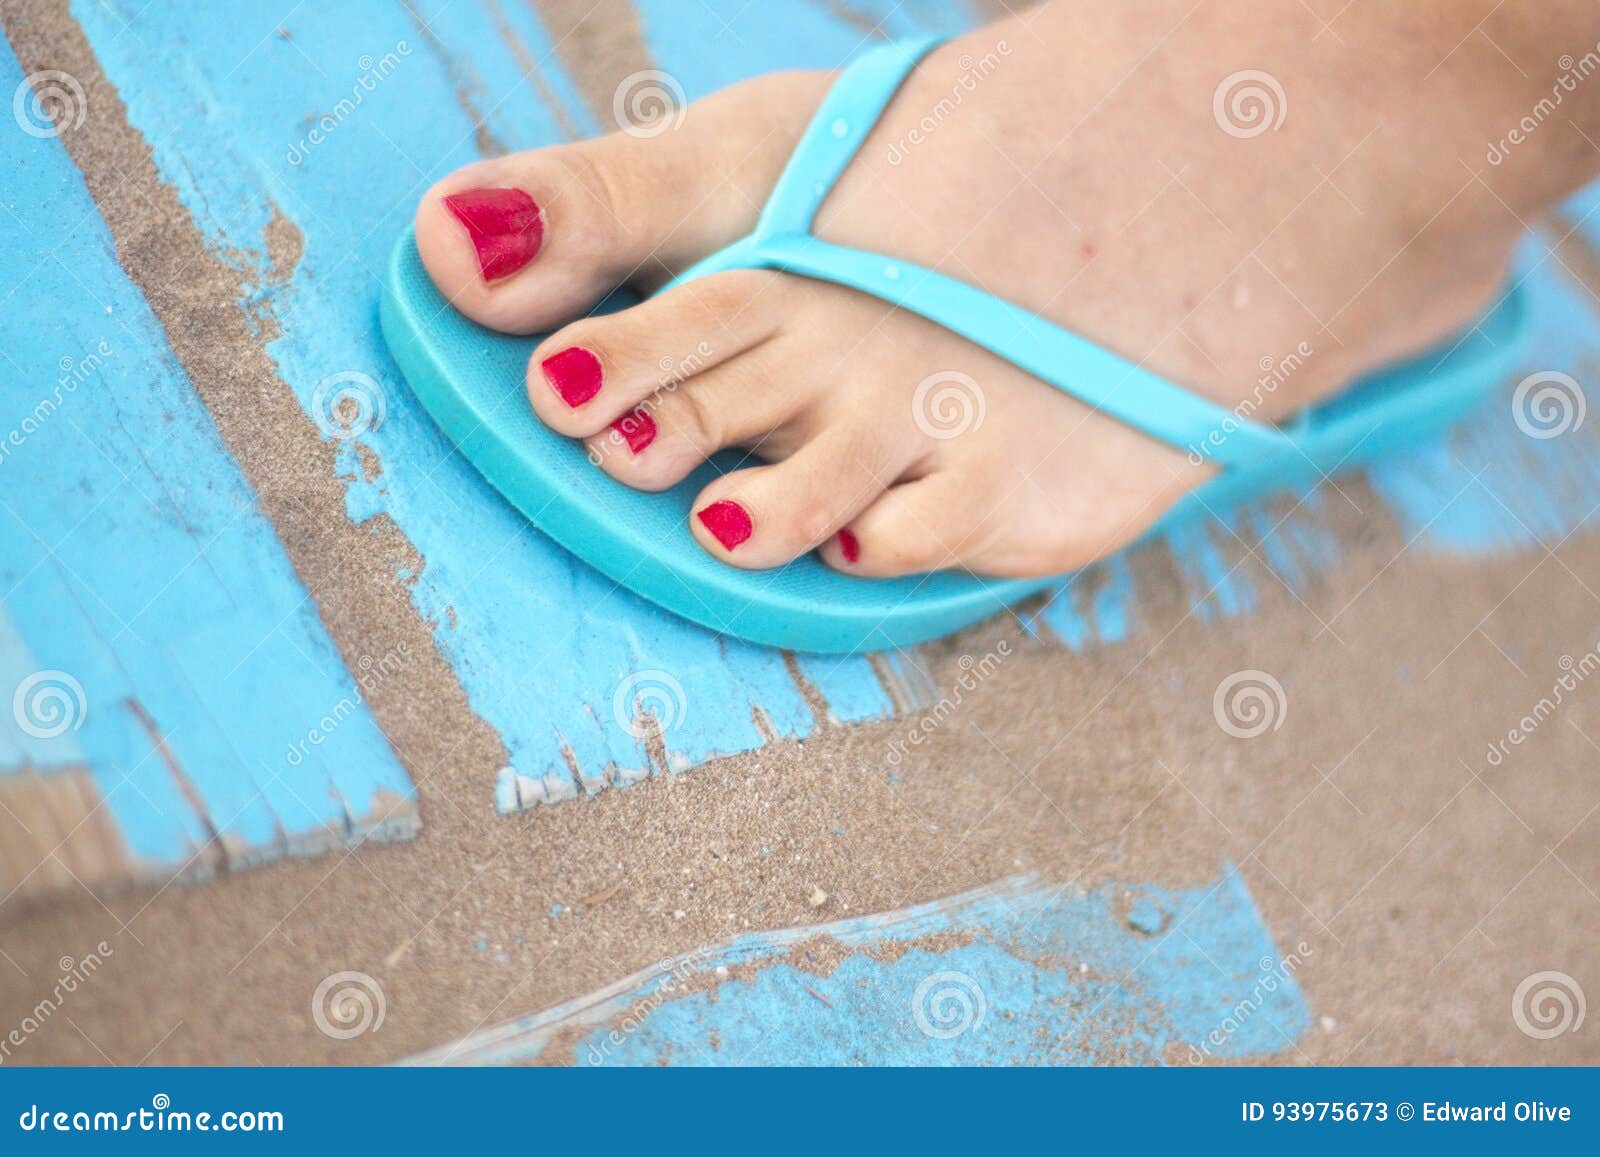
179	705
543	648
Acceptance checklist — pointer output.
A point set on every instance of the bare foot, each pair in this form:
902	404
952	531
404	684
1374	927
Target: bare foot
1096	164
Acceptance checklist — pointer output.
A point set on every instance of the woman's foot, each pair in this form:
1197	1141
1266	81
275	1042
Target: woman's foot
1086	162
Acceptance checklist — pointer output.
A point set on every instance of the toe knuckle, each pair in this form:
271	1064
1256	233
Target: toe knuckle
732	296
596	221
697	419
814	521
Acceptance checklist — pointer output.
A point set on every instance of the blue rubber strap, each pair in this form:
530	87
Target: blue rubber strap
1073	365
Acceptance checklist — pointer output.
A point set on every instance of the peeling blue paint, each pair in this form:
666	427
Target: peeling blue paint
1491	487
1020	973
138	570
540	643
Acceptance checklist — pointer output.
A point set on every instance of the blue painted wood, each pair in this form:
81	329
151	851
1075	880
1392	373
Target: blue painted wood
541	645
172	647
51	743
1018	973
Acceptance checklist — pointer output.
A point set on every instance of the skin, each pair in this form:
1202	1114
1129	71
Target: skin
1086	177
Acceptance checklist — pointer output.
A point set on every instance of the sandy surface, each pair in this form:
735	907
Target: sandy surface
1368	825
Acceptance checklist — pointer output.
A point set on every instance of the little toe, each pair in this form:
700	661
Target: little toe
933	523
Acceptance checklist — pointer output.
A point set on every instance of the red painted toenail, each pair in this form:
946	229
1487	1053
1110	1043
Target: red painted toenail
505	225
575	374
849	546
638	429
728	522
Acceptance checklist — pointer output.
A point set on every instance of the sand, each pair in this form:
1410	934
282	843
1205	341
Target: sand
1368	826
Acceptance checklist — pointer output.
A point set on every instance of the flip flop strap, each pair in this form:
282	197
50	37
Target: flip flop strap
783	240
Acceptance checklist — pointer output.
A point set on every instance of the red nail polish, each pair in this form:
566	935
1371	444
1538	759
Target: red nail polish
575	374
638	429
505	225
849	546
728	522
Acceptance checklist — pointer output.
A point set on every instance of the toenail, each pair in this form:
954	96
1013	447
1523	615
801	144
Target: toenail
728	522
575	374
849	546
638	429
505	225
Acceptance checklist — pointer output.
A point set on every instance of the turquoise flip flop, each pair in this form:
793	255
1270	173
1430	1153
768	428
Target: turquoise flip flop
471	381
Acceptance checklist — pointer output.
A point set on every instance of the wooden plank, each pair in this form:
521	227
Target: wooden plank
164	668
541	645
1019	972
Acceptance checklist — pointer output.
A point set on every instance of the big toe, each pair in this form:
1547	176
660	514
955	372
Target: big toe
525	242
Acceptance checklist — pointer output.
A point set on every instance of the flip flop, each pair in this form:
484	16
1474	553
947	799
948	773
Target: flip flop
471	380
